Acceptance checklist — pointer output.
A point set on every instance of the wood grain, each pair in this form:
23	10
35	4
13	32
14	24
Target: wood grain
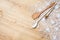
16	20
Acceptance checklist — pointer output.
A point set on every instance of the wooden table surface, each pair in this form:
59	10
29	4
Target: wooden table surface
16	20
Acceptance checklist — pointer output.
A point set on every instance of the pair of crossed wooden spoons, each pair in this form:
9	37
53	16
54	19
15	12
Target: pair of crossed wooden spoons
40	15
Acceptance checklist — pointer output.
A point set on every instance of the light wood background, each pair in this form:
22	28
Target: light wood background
16	21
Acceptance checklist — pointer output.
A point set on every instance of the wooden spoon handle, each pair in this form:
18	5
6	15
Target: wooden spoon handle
37	14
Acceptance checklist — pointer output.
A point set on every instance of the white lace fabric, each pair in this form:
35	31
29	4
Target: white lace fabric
52	24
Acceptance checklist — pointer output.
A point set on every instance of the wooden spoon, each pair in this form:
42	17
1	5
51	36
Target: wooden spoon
37	14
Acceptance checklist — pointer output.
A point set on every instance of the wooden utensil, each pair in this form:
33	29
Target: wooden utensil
37	14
